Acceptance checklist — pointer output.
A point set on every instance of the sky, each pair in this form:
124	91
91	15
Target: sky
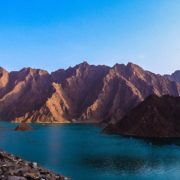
53	34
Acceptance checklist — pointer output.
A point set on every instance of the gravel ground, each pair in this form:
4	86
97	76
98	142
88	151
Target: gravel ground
14	168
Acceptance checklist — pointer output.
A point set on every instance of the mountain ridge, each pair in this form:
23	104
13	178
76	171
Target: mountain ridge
80	93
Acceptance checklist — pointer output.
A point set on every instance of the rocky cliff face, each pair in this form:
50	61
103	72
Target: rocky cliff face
23	91
81	93
155	117
174	76
124	87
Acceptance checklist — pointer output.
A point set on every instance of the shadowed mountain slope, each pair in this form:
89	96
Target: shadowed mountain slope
155	117
174	76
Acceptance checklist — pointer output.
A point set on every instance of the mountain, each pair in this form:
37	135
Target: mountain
154	117
80	93
23	91
174	76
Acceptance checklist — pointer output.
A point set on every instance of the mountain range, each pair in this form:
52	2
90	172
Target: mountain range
83	93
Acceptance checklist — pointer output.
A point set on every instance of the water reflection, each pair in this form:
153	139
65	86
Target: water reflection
83	153
162	141
115	163
125	163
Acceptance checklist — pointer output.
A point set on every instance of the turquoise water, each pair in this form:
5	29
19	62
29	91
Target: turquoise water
82	152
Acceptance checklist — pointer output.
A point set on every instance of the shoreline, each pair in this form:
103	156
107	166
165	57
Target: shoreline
14	168
68	122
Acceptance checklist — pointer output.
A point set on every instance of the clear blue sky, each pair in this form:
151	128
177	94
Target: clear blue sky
52	34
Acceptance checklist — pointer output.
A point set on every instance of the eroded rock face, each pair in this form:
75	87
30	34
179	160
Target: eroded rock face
174	76
82	93
4	78
157	117
124	87
54	110
25	91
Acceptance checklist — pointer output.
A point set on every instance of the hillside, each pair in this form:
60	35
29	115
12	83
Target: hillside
154	117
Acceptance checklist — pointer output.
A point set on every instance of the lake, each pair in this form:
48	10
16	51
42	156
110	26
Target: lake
82	152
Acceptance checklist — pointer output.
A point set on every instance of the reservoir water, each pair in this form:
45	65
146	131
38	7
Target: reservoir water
82	152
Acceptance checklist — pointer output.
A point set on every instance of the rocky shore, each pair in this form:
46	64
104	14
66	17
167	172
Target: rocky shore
14	168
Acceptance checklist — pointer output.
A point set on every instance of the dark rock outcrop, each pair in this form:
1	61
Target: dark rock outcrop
155	117
23	127
81	93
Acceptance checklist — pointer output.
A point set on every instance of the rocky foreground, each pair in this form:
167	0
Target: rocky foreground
14	168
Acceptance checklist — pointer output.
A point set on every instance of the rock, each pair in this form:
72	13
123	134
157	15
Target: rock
83	92
174	76
16	178
23	127
34	165
156	117
24	170
31	175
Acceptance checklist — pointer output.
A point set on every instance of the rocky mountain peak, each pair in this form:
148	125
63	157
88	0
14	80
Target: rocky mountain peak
2	69
32	71
83	92
176	76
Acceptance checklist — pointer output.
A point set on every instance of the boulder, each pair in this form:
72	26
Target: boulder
23	127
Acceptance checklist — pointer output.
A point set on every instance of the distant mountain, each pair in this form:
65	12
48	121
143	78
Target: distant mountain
154	117
174	76
81	93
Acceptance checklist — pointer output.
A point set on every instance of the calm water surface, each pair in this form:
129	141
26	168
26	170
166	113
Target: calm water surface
81	152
